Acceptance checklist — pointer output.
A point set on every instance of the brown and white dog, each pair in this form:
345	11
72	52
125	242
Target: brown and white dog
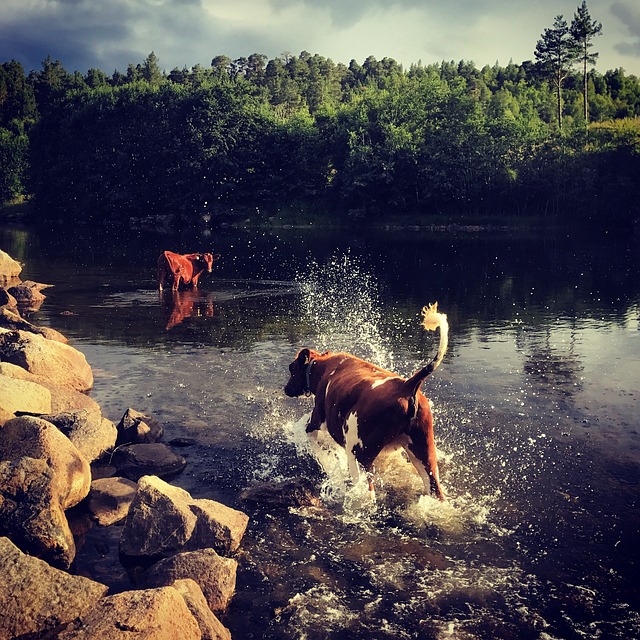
365	408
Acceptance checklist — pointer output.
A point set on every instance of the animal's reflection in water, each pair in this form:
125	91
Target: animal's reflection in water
190	303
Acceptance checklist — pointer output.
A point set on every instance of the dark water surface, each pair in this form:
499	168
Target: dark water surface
536	408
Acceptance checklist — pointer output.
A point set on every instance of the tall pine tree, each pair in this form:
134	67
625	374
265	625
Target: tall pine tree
556	52
582	31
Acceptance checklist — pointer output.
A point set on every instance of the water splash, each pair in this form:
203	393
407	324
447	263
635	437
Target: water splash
340	301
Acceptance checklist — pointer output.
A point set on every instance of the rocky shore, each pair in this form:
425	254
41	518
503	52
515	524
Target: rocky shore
58	452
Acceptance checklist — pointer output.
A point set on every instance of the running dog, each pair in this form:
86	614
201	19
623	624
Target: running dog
365	408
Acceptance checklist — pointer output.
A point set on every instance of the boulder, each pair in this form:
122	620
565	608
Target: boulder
12	320
110	499
152	614
215	575
22	395
89	431
62	398
210	627
159	522
60	363
136	460
32	437
9	268
163	520
36	598
30	511
218	526
137	428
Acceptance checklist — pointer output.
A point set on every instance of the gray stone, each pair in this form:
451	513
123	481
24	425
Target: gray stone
136	460
32	437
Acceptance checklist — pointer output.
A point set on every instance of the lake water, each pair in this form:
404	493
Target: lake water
536	409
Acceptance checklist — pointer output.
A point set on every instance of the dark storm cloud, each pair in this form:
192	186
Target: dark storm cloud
629	15
105	35
111	34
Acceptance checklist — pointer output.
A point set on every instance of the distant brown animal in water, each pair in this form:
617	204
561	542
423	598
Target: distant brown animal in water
186	269
366	409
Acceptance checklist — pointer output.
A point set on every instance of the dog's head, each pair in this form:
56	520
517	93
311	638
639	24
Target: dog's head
300	370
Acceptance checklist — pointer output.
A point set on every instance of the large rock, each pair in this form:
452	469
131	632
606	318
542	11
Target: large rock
136	460
110	499
9	268
36	598
89	431
22	395
30	511
62	398
159	522
59	362
210	627
11	320
152	614
36	438
164	519
215	575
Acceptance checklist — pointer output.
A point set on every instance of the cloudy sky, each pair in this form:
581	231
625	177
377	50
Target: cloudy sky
110	34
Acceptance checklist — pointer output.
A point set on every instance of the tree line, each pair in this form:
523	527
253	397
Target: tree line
550	137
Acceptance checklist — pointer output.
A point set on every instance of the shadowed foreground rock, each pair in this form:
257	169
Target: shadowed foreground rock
153	614
35	597
41	474
36	438
210	626
296	492
30	511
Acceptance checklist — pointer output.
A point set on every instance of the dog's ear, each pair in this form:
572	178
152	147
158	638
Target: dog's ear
304	356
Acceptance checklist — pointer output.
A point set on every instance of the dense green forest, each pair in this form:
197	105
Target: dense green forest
253	136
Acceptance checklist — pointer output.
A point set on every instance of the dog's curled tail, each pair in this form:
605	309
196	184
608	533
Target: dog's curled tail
431	320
